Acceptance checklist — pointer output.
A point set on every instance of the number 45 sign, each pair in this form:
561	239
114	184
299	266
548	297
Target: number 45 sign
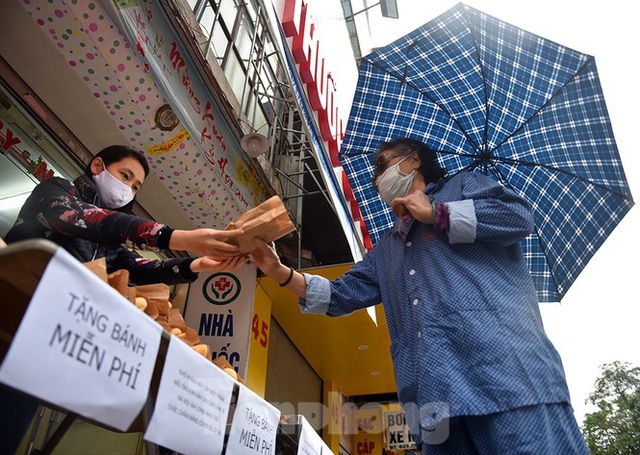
260	330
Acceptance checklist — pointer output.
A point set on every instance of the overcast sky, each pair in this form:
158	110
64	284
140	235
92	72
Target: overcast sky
598	320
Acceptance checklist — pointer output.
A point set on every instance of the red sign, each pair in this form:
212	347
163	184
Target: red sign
315	71
9	142
317	74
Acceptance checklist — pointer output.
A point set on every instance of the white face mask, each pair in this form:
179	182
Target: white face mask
113	193
394	183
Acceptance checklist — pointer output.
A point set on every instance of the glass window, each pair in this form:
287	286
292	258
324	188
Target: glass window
28	155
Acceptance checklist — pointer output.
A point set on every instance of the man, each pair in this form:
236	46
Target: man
474	369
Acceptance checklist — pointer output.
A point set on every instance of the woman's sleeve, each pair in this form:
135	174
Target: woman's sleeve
150	271
356	289
59	209
488	212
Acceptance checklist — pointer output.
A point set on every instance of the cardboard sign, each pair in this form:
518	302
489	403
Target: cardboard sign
192	404
254	426
220	308
83	347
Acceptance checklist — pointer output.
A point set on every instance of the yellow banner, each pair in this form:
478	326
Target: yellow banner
170	145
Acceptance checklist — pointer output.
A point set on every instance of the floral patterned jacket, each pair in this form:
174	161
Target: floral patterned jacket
70	215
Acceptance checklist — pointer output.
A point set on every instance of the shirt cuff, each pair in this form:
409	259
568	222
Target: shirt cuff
185	270
164	237
462	221
318	295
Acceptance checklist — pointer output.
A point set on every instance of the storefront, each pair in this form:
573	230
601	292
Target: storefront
184	82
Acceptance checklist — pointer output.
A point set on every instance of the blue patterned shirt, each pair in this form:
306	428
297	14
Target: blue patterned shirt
466	332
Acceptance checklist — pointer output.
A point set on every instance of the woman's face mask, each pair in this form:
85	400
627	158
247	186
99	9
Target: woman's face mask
394	183
113	193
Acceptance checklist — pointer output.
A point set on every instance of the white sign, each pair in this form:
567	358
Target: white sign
192	405
83	347
254	426
310	442
220	308
397	433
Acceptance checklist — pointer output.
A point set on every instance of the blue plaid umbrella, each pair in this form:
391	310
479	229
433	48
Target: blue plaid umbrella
499	100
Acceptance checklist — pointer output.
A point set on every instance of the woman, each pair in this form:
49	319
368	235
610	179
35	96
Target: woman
475	371
91	218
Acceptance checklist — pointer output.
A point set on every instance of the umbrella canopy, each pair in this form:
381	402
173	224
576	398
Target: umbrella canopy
502	101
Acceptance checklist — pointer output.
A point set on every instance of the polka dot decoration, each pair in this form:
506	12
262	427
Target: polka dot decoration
119	80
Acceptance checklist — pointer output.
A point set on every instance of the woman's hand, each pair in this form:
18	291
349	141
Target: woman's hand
209	264
206	242
416	204
266	258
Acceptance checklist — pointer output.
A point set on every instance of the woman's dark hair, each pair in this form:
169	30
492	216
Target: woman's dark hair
113	154
429	167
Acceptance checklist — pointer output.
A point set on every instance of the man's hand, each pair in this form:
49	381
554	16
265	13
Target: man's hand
416	204
206	242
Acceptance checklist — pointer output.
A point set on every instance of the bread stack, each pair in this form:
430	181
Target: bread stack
153	299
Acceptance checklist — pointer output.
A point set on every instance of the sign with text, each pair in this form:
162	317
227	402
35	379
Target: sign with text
83	347
175	72
220	308
192	405
397	433
310	442
254	425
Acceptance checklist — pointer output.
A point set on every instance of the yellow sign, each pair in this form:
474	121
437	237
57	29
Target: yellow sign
170	145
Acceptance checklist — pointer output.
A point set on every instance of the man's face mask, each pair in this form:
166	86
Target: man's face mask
113	193
394	183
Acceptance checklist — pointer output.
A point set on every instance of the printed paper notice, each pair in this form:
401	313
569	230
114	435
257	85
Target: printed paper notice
83	347
254	426
310	442
192	405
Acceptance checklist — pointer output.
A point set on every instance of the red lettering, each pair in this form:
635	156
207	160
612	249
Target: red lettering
291	17
316	89
310	47
207	112
334	148
42	173
210	156
10	140
222	163
315	73
356	214
204	135
176	59
304	46
328	117
346	187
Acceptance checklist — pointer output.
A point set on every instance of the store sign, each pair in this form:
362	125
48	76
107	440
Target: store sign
254	426
309	52
173	70
318	75
83	346
220	307
368	439
11	141
192	404
397	433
